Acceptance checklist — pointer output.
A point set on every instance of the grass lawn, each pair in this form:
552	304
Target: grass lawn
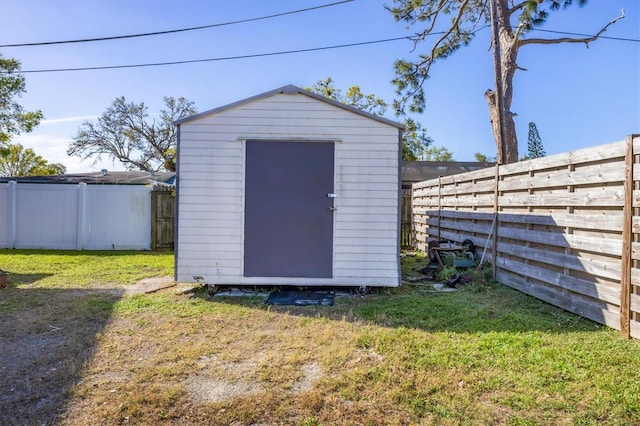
77	349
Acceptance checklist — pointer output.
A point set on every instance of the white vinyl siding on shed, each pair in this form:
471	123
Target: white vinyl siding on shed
211	189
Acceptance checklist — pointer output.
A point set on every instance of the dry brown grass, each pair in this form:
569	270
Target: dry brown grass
258	366
86	351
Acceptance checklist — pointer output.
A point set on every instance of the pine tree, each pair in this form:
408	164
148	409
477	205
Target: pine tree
455	23
534	145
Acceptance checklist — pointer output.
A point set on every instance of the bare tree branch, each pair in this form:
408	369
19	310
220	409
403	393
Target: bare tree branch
586	40
517	8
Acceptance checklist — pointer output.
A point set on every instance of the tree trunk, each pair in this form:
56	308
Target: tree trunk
503	125
494	117
509	66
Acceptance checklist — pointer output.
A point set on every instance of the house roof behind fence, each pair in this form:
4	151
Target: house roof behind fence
100	178
418	171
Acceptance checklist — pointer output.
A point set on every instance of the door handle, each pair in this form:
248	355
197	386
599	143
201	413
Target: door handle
333	209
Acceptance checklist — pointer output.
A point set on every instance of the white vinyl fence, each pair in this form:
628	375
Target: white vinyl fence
75	217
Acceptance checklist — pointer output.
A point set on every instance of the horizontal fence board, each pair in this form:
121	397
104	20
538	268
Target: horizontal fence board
605	269
460	226
635	303
591	309
600	222
635	251
470	187
613	198
561	280
470	201
488	172
560	222
605	173
610	222
635	330
595	154
593	244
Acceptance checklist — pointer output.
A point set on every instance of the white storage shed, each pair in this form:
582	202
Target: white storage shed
288	188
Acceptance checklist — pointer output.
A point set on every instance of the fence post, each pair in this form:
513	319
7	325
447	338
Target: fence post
80	230
13	216
494	236
154	219
439	209
625	282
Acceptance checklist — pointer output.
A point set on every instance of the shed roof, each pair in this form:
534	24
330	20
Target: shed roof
292	90
107	178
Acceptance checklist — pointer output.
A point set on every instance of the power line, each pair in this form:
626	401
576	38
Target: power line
258	55
87	40
227	58
588	35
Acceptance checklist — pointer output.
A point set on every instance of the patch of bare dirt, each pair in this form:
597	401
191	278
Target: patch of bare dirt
44	349
207	387
311	374
46	344
150	285
56	357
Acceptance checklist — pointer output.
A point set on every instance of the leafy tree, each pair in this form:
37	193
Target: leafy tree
461	20
483	158
15	160
414	138
125	133
534	145
13	118
480	157
437	153
354	96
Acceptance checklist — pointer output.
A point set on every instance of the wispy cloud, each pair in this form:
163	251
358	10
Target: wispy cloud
53	147
67	119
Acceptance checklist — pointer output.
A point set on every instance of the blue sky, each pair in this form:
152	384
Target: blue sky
577	96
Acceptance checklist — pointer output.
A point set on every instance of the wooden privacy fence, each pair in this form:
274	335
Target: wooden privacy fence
563	228
163	201
406	234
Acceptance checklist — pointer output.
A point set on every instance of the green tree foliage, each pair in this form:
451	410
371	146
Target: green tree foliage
449	25
480	157
437	153
13	118
415	141
484	158
354	96
126	133
15	160
414	138
535	148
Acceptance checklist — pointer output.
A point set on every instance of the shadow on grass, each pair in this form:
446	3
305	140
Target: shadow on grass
15	278
46	338
73	253
473	309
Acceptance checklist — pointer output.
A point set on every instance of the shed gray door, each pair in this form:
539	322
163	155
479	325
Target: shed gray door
288	229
